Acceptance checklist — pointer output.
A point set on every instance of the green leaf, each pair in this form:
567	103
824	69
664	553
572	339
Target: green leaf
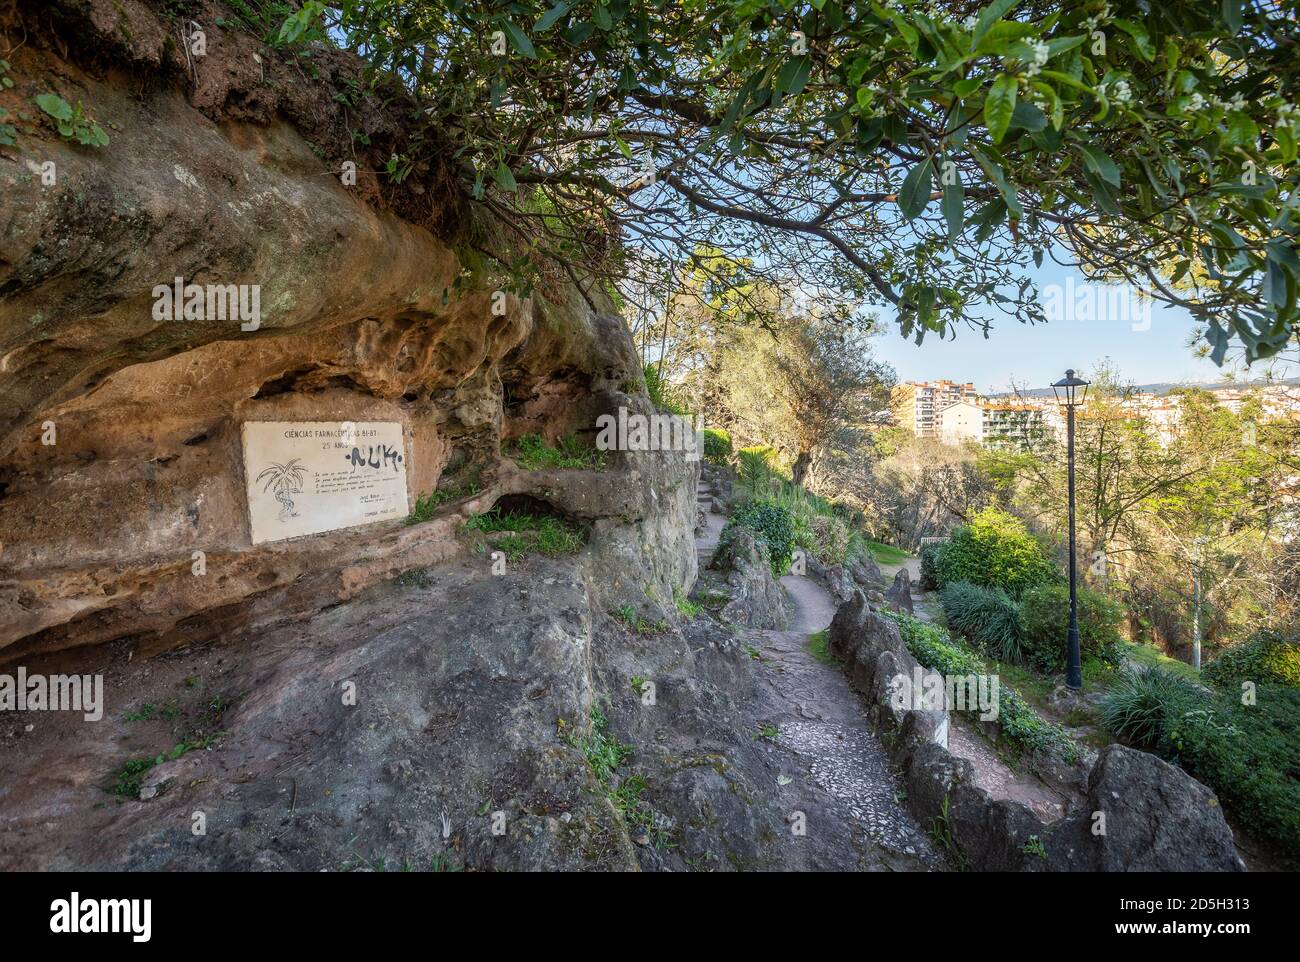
503	177
989	16
915	194
953	207
999	105
519	39
996	174
790	81
547	20
1286	142
1242	131
1099	162
55	106
1141	39
1232	15
602	18
1028	117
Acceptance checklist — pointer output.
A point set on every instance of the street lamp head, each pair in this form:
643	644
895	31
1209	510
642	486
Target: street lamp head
1070	390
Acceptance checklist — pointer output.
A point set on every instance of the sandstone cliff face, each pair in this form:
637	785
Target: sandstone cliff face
375	696
225	170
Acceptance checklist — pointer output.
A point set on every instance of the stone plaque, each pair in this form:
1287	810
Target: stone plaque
305	477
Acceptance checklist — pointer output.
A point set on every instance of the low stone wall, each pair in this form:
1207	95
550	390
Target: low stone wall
1141	813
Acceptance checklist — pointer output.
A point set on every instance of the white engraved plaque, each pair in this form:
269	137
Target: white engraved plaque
304	477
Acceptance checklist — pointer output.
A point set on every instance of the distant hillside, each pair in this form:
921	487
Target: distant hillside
1166	386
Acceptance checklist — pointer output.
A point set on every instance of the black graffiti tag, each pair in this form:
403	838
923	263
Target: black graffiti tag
375	457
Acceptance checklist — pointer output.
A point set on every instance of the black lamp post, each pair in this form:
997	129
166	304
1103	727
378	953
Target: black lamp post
1070	394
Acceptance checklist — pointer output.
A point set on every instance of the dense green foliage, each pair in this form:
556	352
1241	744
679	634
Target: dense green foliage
1046	611
987	616
1268	656
995	549
524	533
931	555
773	527
914	154
935	649
1245	752
717	446
1248	755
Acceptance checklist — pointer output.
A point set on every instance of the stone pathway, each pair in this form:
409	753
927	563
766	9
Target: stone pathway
825	725
820	719
991	773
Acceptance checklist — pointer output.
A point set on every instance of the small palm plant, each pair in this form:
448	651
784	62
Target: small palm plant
754	469
284	480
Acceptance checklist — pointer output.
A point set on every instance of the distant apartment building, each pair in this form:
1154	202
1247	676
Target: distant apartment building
991	423
917	405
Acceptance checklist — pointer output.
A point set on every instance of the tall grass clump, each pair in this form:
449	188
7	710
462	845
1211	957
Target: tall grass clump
1143	703
987	616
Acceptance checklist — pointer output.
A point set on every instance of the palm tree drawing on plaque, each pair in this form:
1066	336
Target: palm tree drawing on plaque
285	480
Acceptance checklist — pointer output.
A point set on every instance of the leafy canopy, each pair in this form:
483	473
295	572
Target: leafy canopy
907	153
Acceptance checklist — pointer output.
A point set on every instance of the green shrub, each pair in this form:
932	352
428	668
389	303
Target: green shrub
987	616
995	549
1245	753
717	445
1266	656
660	393
1046	611
931	558
1019	723
827	538
1248	755
1142	704
773	528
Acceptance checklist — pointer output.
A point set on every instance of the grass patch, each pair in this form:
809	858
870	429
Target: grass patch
427	504
887	554
1149	657
129	777
203	733
532	453
149	711
525	533
686	607
604	754
632	618
819	646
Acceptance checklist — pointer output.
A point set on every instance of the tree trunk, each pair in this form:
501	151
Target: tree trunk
1196	620
800	469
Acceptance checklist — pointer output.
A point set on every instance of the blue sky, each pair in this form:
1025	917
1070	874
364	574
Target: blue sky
1041	353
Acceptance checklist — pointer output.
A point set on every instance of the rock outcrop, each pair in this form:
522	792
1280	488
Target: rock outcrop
120	452
370	697
1142	814
756	598
899	594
